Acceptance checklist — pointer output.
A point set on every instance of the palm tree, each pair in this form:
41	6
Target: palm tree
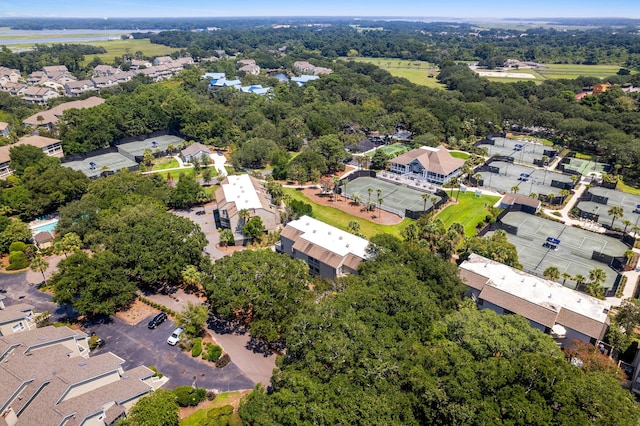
201	197
369	191
192	277
336	186
39	264
597	275
551	273
550	197
595	289
380	200
425	197
565	277
477	178
629	254
616	212
580	279
515	189
354	226
627	223
357	198
244	215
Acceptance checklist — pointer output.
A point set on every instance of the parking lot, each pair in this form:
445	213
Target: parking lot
207	225
140	346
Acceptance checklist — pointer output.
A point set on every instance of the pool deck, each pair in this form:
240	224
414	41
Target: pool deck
38	223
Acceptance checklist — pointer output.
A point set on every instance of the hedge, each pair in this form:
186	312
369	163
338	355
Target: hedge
157	306
197	347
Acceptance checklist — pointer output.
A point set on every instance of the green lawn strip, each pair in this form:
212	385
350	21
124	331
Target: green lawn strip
340	219
166	163
626	188
571	71
461	155
199	417
469	211
38	36
175	174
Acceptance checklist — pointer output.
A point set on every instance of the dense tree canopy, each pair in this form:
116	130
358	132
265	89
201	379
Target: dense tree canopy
386	351
259	288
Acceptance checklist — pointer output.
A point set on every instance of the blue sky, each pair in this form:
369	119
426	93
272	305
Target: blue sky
364	8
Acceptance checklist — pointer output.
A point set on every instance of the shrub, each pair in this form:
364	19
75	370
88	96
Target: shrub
223	361
187	396
216	412
211	395
156	373
197	347
185	343
93	342
17	246
213	352
17	260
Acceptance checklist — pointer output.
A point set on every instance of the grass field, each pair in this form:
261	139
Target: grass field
165	163
121	47
200	417
557	71
461	155
415	71
341	220
469	211
627	188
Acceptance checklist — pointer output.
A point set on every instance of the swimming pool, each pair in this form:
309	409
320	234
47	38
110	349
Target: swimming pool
47	227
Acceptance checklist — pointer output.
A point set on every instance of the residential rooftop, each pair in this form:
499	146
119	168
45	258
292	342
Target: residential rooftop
536	290
329	237
241	191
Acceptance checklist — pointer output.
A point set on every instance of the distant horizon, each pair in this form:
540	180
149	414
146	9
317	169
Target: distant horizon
371	9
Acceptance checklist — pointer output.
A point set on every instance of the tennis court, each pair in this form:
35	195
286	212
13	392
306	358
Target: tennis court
611	197
584	167
395	197
528	179
523	151
160	143
94	166
391	150
572	255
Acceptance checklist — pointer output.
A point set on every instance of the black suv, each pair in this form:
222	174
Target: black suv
157	320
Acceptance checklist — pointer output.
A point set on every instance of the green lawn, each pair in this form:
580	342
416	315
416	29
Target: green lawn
462	155
627	188
199	417
122	47
165	163
572	71
469	211
415	71
340	219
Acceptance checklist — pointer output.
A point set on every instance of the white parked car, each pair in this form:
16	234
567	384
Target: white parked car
175	336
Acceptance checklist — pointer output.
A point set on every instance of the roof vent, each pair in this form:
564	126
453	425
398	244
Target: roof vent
340	237
550	295
347	245
314	231
579	300
329	232
82	364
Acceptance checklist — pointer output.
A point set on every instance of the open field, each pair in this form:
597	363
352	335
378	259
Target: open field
458	154
627	188
199	417
392	150
122	47
340	219
554	71
469	211
415	71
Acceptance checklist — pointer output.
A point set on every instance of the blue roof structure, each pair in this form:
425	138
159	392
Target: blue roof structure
304	78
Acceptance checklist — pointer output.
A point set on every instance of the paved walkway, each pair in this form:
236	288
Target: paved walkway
564	213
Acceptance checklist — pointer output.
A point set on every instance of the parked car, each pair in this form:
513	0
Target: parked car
157	320
200	212
175	336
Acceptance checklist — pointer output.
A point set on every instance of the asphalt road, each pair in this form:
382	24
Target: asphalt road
16	289
207	225
140	346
